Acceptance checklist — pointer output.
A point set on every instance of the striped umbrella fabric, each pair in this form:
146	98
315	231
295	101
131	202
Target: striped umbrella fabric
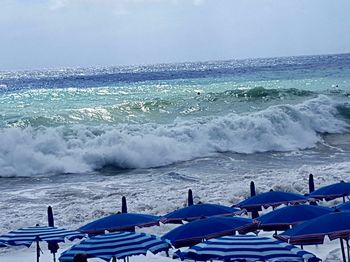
246	248
26	236
116	245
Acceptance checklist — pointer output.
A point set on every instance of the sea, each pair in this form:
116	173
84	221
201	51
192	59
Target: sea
78	139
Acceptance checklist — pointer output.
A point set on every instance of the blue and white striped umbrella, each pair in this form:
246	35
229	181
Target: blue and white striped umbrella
118	245
246	248
26	236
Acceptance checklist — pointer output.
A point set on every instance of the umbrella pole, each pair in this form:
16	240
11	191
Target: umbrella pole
342	249
37	251
347	248
54	257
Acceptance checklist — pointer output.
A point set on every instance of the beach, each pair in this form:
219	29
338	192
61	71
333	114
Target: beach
80	139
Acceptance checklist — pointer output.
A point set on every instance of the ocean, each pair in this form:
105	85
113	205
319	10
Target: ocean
79	139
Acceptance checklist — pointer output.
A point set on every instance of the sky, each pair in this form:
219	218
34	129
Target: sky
69	33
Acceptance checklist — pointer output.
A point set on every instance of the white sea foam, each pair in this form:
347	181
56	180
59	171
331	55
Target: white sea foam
81	148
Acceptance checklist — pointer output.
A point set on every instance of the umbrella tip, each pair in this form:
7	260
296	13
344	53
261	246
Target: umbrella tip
124	205
190	198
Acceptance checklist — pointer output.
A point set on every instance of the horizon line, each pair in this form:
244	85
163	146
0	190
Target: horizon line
160	63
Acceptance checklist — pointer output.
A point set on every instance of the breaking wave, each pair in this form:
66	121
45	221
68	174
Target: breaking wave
77	149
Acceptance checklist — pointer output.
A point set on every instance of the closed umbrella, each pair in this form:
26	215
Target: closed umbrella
196	231
246	248
116	245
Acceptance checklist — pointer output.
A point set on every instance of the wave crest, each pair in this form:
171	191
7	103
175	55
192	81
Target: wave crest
80	148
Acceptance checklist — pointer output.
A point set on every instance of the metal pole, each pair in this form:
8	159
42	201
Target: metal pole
347	248
342	249
37	251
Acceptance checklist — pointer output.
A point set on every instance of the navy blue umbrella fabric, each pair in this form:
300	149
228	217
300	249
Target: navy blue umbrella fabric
333	191
118	245
334	225
246	248
271	199
283	218
120	222
343	207
198	211
199	230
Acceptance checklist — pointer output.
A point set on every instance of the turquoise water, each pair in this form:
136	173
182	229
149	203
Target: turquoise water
76	120
79	139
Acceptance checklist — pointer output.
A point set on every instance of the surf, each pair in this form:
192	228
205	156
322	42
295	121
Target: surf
79	148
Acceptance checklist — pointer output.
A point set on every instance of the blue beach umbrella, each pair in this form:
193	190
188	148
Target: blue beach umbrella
246	248
198	211
120	222
330	192
116	245
343	207
26	236
283	218
199	230
271	199
334	225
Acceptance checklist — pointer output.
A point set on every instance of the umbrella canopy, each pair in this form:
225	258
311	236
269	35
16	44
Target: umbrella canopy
334	225
118	245
272	198
198	211
283	218
343	207
196	231
333	191
26	236
120	222
246	248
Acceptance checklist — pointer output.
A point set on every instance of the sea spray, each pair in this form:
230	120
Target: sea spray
80	148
